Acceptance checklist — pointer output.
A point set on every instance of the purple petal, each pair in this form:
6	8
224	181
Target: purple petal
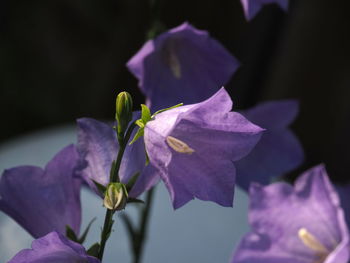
277	214
147	179
344	194
278	150
98	145
47	200
53	248
183	64
252	7
273	114
215	137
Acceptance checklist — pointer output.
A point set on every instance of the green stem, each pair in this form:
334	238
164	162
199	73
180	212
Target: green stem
142	234
114	177
107	226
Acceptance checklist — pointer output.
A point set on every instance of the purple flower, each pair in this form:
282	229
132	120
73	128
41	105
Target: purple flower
53	248
344	194
193	147
98	145
252	7
278	150
44	200
300	224
183	64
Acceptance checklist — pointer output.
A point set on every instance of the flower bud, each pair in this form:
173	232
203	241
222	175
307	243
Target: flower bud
116	196
123	113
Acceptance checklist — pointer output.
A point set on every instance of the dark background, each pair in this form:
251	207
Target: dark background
60	60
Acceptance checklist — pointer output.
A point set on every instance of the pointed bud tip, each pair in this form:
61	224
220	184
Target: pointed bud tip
123	113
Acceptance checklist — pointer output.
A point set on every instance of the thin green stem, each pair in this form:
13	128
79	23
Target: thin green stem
114	177
138	241
107	226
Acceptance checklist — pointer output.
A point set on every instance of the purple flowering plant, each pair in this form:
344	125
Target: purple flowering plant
199	149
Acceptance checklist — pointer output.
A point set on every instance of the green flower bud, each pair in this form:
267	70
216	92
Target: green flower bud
116	196
123	113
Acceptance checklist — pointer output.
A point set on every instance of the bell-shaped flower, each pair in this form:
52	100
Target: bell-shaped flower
53	248
300	224
98	146
44	200
278	150
183	64
252	7
344	194
192	148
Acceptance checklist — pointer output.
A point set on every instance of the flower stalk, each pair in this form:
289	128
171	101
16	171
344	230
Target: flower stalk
114	178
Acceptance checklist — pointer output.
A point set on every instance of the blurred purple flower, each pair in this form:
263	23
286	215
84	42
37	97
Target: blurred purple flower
98	145
304	224
183	64
344	194
44	200
53	248
252	7
192	149
278	150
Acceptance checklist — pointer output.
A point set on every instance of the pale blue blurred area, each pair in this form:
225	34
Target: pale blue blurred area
198	232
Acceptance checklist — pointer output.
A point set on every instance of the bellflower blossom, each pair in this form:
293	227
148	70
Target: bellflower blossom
98	145
53	248
252	7
278	150
44	200
300	224
183	64
192	148
344	195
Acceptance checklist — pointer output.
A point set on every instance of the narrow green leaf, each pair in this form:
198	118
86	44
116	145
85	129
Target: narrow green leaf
138	134
132	181
100	187
83	236
71	234
172	107
145	113
93	250
140	123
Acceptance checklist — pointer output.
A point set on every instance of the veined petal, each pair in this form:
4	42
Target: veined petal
98	145
278	150
183	64
40	200
278	214
205	140
252	7
52	248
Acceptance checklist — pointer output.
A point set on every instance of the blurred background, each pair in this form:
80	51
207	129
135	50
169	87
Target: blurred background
65	59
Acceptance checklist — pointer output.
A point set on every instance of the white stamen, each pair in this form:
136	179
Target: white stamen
179	145
312	242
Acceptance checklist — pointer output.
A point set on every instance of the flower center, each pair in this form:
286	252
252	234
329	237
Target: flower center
310	241
178	145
